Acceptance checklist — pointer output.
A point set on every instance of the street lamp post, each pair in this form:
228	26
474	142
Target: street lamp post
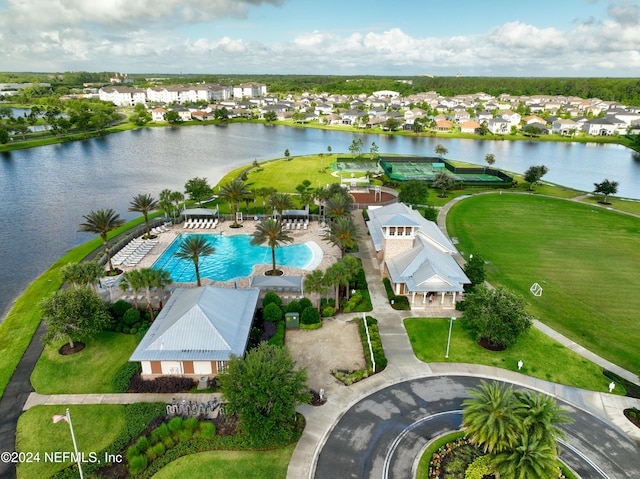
449	338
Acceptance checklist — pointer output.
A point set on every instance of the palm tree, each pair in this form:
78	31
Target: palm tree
343	233
234	192
147	280
528	458
337	275
265	193
82	274
101	222
490	419
144	203
338	205
132	280
177	197
539	416
270	232
193	247
161	279
165	202
314	283
280	202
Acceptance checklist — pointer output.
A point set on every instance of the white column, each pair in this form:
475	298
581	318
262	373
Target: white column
413	296
442	298
453	299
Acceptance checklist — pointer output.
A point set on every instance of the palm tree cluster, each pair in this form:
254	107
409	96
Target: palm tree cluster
146	279
518	428
338	275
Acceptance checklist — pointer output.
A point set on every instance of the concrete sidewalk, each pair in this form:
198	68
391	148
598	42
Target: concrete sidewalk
404	366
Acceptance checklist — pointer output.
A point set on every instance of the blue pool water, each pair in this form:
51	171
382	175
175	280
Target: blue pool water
234	258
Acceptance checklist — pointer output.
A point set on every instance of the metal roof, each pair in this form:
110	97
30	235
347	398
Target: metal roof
208	323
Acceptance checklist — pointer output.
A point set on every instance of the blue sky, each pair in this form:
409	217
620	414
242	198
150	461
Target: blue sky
347	37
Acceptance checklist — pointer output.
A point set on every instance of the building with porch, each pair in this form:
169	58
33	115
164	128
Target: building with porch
197	331
416	256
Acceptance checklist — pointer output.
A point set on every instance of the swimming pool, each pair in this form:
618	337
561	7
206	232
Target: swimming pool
234	258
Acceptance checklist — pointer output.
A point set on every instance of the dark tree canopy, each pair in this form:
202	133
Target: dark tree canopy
534	174
264	388
198	189
606	188
413	192
496	315
474	269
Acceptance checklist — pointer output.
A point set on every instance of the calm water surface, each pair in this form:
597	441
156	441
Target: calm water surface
44	192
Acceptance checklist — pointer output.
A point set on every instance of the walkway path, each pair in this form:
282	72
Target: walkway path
403	366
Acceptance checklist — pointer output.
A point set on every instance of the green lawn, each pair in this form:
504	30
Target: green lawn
543	357
89	371
585	258
95	427
226	464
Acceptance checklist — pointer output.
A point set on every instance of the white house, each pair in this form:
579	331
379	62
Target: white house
197	331
249	90
122	96
563	126
416	256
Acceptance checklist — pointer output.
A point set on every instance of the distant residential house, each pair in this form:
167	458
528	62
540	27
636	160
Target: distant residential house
512	117
197	331
600	127
563	126
183	113
498	126
202	115
351	117
484	115
469	126
444	125
416	256
533	119
413	114
157	114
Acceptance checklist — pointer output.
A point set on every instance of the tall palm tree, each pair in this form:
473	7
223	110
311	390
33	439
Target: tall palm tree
314	283
161	279
101	222
165	202
144	203
270	232
343	233
132	280
83	274
337	275
193	247
490	419
177	197
281	202
234	192
265	193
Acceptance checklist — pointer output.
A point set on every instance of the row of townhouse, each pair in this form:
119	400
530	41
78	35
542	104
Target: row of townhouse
129	96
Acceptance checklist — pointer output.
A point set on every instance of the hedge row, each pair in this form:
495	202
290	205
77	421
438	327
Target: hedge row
376	344
400	303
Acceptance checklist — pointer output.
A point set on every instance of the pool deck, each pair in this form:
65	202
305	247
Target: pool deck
324	254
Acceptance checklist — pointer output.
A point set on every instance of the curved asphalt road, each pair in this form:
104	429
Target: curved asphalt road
383	434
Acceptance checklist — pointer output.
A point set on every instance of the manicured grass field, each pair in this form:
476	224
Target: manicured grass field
224	464
95	427
585	258
543	358
88	371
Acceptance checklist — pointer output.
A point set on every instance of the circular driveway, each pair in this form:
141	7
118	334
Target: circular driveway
383	434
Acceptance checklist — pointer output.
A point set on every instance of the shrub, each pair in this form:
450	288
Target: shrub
159	449
184	435
168	442
133	331
132	451
207	429
124	374
278	338
305	303
126	330
328	311
310	316
131	317
137	464
191	424
311	327
376	343
293	307
120	307
163	431
165	384
271	297
430	213
272	313
479	468
175	424
359	280
353	302
388	288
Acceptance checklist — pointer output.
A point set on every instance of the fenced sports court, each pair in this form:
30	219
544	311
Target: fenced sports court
351	165
426	168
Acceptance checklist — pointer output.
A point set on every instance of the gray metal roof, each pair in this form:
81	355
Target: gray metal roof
277	282
208	323
199	212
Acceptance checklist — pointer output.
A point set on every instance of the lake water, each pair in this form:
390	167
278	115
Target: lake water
44	192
